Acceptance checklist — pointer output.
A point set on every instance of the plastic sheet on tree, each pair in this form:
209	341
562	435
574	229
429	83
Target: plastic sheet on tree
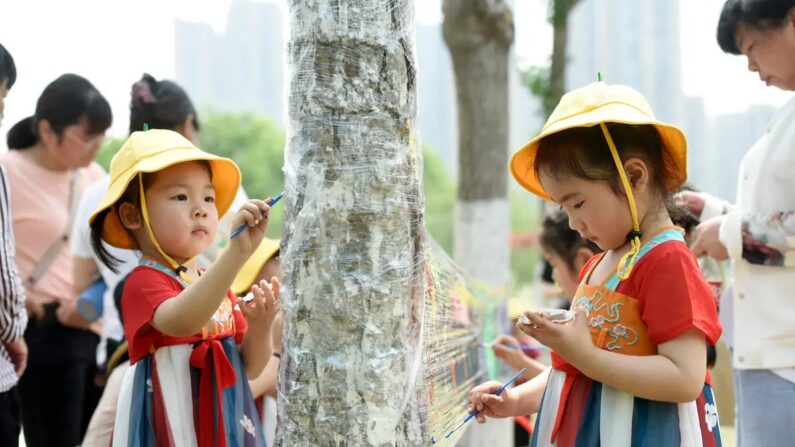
380	338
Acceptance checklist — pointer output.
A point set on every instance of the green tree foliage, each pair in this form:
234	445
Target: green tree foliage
256	144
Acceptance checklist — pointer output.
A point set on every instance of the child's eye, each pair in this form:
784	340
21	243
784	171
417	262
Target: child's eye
579	205
180	197
209	199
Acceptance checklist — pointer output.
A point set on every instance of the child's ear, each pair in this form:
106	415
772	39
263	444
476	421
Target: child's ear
581	256
637	174
130	216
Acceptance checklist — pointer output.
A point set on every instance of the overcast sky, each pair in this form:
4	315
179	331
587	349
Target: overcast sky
51	37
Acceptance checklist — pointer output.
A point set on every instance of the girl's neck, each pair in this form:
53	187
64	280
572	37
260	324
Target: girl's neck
39	156
651	223
189	264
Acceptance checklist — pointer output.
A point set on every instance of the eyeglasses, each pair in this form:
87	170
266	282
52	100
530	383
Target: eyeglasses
73	135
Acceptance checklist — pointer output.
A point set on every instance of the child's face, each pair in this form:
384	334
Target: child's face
594	209
565	277
182	212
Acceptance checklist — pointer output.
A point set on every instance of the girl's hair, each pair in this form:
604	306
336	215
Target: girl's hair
559	238
759	14
132	196
66	101
8	70
582	152
160	105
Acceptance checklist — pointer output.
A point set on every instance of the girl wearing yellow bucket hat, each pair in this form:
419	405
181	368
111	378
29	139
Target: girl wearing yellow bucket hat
183	325
630	369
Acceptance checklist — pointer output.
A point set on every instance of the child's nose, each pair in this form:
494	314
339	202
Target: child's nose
200	211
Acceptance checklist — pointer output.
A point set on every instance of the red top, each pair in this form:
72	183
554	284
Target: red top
672	293
147	288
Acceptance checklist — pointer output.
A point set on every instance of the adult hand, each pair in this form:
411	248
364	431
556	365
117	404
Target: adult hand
68	316
693	201
706	239
18	353
35	310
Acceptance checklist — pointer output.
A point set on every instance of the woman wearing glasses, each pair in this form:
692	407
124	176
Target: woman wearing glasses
50	162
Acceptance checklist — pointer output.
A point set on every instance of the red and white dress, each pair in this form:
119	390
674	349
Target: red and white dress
182	391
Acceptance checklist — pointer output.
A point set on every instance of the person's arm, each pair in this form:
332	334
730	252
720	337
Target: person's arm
84	273
521	400
186	314
266	382
675	374
13	317
760	238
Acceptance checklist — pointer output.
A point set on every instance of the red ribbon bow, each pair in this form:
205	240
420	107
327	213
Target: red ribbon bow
209	356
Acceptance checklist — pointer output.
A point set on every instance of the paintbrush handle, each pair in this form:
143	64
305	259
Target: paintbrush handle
240	229
499	391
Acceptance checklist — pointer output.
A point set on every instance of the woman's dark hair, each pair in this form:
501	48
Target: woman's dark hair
160	105
559	238
66	101
8	70
759	14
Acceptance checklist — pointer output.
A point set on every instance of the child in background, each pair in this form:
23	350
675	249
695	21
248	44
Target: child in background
629	370
264	265
567	252
186	385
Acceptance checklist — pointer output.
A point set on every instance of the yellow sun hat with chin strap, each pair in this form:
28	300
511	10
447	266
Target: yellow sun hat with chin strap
151	151
593	105
248	273
597	104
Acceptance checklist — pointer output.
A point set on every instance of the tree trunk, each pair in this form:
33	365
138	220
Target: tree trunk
479	34
354	229
561	9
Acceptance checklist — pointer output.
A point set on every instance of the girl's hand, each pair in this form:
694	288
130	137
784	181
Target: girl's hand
253	213
261	310
511	356
570	340
482	398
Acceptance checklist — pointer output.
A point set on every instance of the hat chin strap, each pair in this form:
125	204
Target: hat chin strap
178	269
627	261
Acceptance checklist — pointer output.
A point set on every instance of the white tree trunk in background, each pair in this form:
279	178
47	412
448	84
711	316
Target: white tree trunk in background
353	239
479	34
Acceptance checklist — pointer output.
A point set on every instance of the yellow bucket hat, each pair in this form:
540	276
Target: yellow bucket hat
248	273
597	104
152	151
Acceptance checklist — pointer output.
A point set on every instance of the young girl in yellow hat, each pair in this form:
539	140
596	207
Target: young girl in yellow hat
630	369
186	330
